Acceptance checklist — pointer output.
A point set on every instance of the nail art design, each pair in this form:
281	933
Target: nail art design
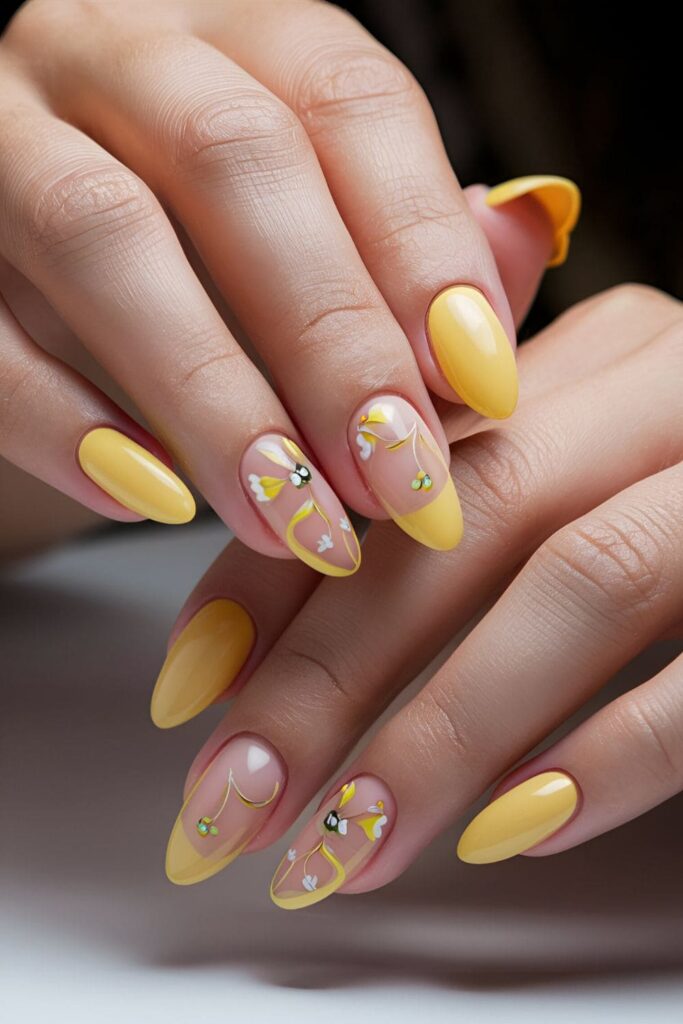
227	807
559	197
300	505
339	840
403	465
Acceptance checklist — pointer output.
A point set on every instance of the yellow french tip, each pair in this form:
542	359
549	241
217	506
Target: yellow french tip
559	197
202	663
519	819
438	525
473	351
134	477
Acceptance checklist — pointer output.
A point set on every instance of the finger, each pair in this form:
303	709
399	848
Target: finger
527	223
621	762
57	426
94	240
234	616
335	668
370	122
325	331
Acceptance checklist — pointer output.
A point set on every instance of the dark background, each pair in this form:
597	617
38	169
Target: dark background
573	88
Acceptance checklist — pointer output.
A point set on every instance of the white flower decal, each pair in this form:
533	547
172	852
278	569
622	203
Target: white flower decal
310	882
345	524
380	823
291	854
257	487
324	543
365	447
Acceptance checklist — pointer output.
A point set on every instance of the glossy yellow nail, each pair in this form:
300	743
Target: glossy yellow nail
203	662
473	351
519	819
135	477
559	197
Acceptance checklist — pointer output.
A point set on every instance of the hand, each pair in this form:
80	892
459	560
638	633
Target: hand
277	150
573	513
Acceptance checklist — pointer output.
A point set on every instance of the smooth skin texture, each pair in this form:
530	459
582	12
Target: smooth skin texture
153	151
584	490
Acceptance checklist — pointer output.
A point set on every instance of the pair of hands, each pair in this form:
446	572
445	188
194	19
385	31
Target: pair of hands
282	169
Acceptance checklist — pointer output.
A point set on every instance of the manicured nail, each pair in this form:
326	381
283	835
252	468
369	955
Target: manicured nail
403	466
134	477
473	351
299	505
519	819
203	662
335	844
227	807
559	197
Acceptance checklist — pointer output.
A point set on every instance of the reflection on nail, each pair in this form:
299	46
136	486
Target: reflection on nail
300	506
226	809
519	819
473	351
205	659
134	477
335	844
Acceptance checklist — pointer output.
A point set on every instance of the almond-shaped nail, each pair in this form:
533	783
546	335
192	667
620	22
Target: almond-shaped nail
473	351
203	662
299	505
226	809
335	844
403	466
521	818
559	197
134	477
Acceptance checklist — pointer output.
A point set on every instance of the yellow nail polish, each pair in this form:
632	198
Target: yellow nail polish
473	351
135	477
519	819
202	663
559	197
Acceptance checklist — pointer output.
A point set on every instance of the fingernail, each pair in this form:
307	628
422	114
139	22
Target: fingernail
227	807
559	197
519	819
473	351
403	466
202	663
299	505
134	477
335	844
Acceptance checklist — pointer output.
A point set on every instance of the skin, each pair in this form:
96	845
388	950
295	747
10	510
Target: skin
137	164
573	513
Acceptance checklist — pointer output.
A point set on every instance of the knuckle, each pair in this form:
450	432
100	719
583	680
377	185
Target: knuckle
408	209
624	299
613	561
353	80
646	730
246	132
327	675
86	211
442	723
499	473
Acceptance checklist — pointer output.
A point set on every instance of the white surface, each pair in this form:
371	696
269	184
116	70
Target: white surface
91	930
